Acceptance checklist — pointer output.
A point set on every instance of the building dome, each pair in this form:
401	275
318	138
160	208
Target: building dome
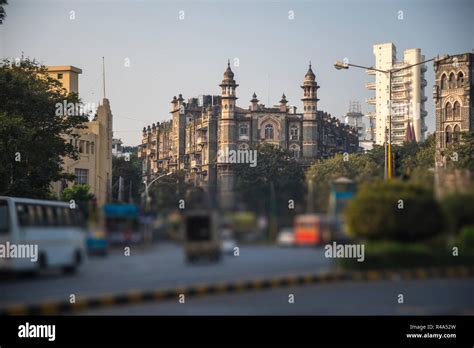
228	76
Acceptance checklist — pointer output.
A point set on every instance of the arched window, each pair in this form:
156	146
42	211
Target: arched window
294	151
460	79
294	133
448	112
457	111
268	131
456	132
448	135
243	147
444	80
451	80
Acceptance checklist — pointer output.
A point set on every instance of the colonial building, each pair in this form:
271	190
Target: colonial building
203	127
94	143
453	95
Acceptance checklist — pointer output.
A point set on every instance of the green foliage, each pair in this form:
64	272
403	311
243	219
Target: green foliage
395	255
167	191
274	168
362	168
78	193
417	160
463	152
374	213
131	172
459	210
465	239
32	142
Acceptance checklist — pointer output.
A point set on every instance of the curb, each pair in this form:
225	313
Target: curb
107	300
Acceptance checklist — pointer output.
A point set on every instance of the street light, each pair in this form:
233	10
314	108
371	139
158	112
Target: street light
339	65
147	187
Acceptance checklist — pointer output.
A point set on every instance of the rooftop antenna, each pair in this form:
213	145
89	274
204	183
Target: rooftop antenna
103	74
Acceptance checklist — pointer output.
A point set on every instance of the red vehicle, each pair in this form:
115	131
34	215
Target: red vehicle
310	229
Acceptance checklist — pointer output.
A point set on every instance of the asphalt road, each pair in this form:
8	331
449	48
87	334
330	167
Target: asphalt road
421	297
160	266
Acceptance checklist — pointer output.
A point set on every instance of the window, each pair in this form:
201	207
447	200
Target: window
244	130
81	146
295	151
448	135
457	111
460	79
456	131
268	131
81	176
60	76
92	148
294	133
4	218
50	217
87	147
23	216
444	82
448	111
451	80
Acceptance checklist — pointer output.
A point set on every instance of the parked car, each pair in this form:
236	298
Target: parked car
286	237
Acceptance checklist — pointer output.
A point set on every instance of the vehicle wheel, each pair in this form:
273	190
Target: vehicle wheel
71	269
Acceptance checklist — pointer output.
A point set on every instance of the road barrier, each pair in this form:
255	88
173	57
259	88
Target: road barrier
106	300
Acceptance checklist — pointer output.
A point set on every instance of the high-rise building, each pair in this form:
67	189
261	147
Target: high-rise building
407	94
356	119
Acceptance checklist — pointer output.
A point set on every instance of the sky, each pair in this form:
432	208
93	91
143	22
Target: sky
157	49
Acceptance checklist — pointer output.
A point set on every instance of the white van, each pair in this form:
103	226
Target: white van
39	234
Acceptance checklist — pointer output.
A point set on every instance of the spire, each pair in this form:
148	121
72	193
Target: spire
254	98
310	76
409	133
283	99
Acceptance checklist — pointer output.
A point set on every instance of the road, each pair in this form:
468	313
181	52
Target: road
421	297
160	266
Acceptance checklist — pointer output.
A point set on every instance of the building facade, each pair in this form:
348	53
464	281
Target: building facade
407	94
94	143
203	127
453	96
356	119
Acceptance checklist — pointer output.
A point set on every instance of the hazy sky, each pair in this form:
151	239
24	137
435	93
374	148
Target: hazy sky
169	55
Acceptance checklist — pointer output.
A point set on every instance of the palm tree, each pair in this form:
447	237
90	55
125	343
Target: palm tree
3	14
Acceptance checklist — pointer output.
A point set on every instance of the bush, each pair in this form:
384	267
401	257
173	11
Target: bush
458	209
376	213
465	239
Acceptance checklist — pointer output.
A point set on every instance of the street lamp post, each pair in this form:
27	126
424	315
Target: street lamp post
147	187
388	144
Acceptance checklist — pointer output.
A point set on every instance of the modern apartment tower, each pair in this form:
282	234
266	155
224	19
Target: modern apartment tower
407	95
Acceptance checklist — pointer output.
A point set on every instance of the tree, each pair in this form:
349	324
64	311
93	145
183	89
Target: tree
131	172
394	210
274	168
461	155
78	193
3	14
418	160
359	167
32	135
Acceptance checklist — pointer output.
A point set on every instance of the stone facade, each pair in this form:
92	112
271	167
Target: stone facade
201	127
453	99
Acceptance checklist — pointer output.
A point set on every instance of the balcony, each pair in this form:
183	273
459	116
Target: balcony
424	68
370	114
370	85
371	101
370	72
424	83
424	113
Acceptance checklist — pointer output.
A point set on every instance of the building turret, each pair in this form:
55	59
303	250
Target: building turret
310	112
283	103
254	101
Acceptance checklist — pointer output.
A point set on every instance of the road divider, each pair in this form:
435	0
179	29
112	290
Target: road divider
136	296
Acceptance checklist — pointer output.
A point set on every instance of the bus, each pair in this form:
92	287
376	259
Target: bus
310	229
121	223
49	234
